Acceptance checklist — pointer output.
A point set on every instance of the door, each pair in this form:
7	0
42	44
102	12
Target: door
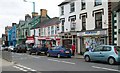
105	53
96	53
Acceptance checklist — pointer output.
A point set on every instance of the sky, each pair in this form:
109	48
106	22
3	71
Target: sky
11	11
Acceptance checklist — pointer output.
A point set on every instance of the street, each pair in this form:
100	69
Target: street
24	62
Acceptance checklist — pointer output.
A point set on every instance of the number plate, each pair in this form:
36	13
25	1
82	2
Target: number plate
67	52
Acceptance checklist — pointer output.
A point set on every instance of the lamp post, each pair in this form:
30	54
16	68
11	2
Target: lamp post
33	4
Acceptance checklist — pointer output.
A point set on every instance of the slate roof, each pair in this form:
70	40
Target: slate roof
48	22
65	2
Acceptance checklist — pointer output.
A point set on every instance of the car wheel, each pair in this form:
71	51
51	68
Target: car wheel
111	61
87	58
48	54
58	55
69	56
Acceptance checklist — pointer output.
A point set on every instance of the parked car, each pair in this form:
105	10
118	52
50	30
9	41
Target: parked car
39	50
104	53
11	48
21	48
59	51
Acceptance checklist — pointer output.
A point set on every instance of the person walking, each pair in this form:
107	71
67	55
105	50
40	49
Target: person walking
73	49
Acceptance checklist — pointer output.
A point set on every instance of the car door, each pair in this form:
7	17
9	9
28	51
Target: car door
105	53
96	53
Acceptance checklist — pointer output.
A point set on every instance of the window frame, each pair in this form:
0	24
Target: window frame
72	7
83	5
62	10
84	22
98	20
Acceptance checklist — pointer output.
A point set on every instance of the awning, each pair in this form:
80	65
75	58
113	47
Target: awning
41	38
29	41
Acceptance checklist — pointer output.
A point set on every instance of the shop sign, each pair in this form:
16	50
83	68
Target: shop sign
90	33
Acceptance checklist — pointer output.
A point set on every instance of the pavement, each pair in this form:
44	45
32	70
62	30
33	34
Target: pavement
78	57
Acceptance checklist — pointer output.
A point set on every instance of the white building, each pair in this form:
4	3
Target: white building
84	22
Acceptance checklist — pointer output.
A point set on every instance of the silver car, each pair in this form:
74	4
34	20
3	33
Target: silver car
106	53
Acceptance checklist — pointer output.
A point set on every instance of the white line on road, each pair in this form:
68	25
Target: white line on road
20	68
25	67
105	68
61	61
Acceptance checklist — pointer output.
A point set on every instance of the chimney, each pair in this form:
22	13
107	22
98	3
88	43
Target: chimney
34	14
13	24
27	16
43	12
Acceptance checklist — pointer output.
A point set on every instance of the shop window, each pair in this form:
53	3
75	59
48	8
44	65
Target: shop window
83	4
98	2
62	10
84	22
72	7
98	20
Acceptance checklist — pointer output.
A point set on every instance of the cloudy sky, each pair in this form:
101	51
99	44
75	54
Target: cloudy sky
15	10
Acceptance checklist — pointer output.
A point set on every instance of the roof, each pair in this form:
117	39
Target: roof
41	20
48	22
65	2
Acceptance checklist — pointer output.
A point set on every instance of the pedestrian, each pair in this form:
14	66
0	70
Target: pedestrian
73	49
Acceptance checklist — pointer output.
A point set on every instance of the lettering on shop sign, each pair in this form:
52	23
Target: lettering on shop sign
89	32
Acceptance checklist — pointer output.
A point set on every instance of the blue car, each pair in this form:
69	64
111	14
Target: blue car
104	53
59	51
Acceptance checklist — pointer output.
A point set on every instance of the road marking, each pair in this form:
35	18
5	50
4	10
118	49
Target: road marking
25	67
53	60
60	61
105	68
20	68
68	62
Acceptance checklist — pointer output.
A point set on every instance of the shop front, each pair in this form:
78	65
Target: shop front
54	41
67	39
91	39
30	41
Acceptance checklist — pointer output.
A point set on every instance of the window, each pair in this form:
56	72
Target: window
48	30
62	10
98	2
56	29
63	25
106	48
98	20
42	31
72	23
97	49
52	30
72	7
39	32
34	32
83	4
84	22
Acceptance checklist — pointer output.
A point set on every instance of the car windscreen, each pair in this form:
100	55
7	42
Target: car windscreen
117	48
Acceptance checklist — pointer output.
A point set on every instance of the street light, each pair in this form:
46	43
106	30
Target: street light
33	5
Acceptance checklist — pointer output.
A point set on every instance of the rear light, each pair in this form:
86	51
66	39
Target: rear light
62	51
115	50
